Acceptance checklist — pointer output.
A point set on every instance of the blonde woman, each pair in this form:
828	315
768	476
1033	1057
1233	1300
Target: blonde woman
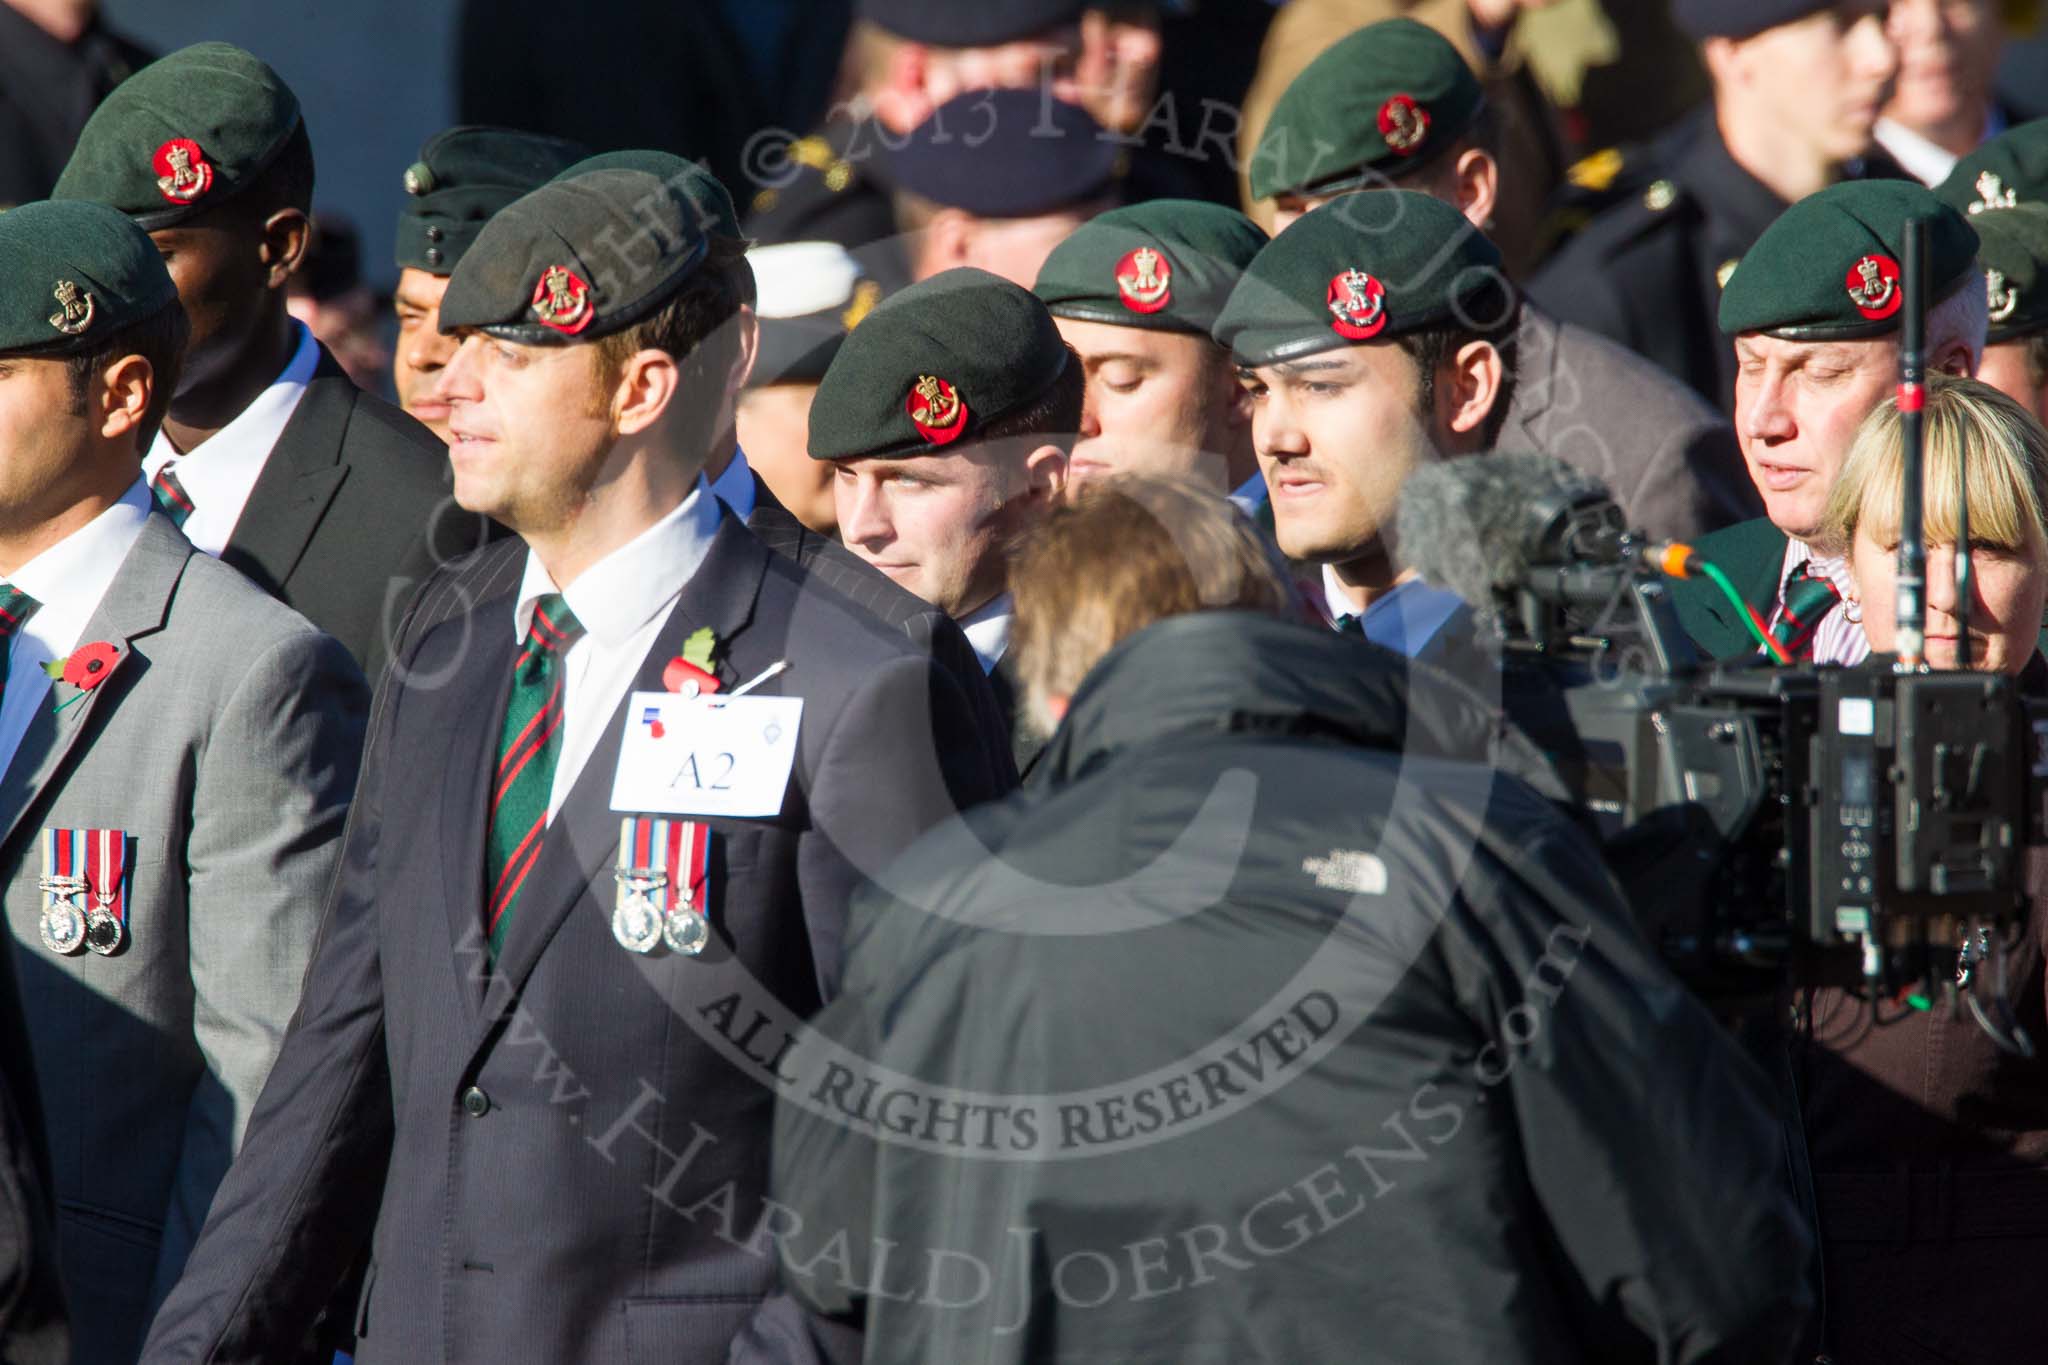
1929	1144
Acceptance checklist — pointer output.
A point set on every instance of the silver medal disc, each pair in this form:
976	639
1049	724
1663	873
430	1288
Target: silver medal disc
102	931
63	927
636	923
686	932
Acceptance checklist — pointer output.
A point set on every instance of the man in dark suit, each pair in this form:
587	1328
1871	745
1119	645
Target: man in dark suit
949	412
567	852
271	459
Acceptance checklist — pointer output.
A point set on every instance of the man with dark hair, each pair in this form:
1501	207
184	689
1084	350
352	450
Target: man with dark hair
1356	333
1395	106
270	458
565	841
462	177
949	413
178	753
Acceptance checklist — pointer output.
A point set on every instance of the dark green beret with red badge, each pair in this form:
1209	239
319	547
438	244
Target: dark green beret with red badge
933	365
1364	268
1165	265
463	176
576	260
182	135
1378	105
2010	169
1828	268
77	274
704	190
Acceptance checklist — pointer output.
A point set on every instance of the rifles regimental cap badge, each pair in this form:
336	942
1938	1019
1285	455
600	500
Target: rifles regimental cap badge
182	171
1358	305
561	300
1404	124
1144	279
936	410
1873	285
74	308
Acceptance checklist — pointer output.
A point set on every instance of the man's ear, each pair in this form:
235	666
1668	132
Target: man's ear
1045	474
646	390
1476	185
1468	390
949	240
749	323
287	235
124	393
1955	357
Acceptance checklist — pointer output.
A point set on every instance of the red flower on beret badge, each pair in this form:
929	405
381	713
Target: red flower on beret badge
1358	305
936	409
183	173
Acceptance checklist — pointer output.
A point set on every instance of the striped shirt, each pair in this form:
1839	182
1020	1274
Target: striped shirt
1837	639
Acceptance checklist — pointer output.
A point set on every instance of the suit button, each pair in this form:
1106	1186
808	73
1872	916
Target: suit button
475	1103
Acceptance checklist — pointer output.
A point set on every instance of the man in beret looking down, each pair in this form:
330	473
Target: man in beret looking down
1136	292
270	458
561	843
462	177
2013	249
1815	310
1373	337
949	413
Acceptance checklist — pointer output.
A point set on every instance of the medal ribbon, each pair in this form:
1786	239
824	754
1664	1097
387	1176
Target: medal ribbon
109	859
679	848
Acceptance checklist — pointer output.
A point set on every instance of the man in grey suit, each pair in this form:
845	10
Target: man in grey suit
178	753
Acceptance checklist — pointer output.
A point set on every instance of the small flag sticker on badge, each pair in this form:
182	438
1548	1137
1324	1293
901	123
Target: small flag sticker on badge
650	716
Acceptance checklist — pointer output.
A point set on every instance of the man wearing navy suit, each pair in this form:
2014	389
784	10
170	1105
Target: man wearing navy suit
535	1066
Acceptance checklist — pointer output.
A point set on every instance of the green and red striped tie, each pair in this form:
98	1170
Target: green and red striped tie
16	607
527	748
171	496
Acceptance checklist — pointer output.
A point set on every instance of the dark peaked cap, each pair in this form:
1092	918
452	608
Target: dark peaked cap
964	348
182	135
1004	154
976	23
577	259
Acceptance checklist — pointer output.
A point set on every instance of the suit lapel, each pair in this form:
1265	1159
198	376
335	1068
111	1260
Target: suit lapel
298	481
136	604
584	836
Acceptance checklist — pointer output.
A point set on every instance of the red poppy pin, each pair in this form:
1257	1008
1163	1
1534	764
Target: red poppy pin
1144	278
1404	124
85	667
183	173
690	672
1358	305
1873	285
936	409
562	300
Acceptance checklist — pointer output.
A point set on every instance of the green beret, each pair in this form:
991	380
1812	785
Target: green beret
576	260
77	273
2010	169
1828	268
700	187
2013	249
1366	267
463	176
1165	264
1377	105
182	135
935	363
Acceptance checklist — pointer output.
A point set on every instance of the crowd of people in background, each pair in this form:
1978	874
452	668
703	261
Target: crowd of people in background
815	737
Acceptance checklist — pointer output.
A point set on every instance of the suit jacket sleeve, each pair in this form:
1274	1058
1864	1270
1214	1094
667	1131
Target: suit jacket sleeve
1646	1134
893	765
267	809
301	1197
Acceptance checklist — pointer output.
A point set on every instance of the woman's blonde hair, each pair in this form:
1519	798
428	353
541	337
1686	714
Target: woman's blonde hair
2003	446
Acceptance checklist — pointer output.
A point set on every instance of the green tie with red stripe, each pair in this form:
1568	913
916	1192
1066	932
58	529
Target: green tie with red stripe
16	607
171	496
527	748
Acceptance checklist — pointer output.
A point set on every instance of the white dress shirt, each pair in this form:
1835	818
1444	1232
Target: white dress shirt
1837	639
988	630
220	475
622	601
735	487
1924	160
1250	495
68	579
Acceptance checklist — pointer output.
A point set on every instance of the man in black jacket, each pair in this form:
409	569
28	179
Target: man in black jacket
1298	1036
271	459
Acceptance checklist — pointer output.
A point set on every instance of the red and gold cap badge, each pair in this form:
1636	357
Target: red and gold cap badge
1404	124
1873	285
1358	305
183	173
562	300
936	410
1144	280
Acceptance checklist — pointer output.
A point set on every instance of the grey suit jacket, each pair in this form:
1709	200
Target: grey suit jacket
1669	458
225	746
